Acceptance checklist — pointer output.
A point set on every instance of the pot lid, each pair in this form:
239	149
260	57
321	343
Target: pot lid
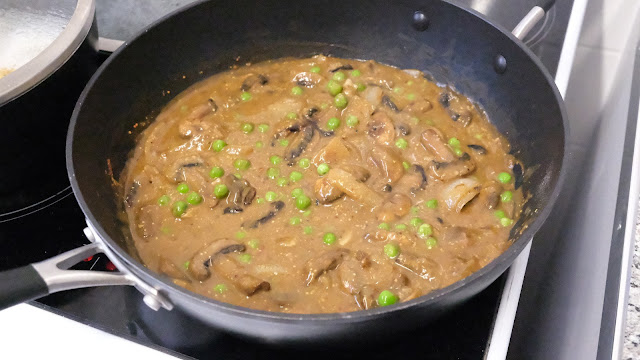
38	37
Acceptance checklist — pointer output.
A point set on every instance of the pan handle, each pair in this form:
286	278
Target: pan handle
39	279
531	19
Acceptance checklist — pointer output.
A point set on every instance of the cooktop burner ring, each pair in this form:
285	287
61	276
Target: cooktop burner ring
40	205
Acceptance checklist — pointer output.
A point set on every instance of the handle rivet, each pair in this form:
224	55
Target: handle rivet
420	21
152	302
500	64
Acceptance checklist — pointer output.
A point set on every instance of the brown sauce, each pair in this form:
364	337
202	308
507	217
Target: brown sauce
382	193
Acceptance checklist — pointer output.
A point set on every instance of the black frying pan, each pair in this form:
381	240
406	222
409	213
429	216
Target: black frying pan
456	46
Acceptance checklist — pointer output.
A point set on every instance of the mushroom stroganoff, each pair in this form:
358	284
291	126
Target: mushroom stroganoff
320	185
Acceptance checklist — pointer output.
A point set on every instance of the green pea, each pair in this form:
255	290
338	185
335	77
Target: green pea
307	230
260	200
245	258
334	87
273	173
340	101
410	82
504	177
295	176
333	123
303	202
297	90
216	172
246	128
458	152
361	87
292	116
352	121
304	163
415	209
165	230
315	69
220	191
164	200
397	90
295	220
282	182
406	165
432	204
220	288
402	143
218	145
186	265
506	222
454	142
387	298
296	192
391	250
329	238
500	214
384	226
306	213
245	96
411	97
506	196
401	227
263	128
430	242
182	188
241	164
178	208
323	169
271	196
241	234
284	142
194	198
275	159
253	243
356	73
259	145
425	230
339	76
416	222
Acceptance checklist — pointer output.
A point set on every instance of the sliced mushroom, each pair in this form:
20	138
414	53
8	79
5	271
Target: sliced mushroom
236	274
147	220
403	129
459	192
421	266
194	125
186	168
518	176
336	151
327	193
397	207
380	127
389	162
252	80
328	261
418	107
202	260
349	184
307	79
478	149
342	67
433	141
285	128
451	170
490	194
386	101
454	235
241	193
299	143
276	207
131	193
421	176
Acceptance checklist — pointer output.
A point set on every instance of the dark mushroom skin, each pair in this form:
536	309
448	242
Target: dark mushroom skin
276	207
199	265
311	185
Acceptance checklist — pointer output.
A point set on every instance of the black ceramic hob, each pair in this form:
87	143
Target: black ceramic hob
39	218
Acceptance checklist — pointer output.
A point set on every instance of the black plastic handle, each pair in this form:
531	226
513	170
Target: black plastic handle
20	285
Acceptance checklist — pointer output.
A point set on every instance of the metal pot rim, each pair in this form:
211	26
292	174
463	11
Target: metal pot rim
52	57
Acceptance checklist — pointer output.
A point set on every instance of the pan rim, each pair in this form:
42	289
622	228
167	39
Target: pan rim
500	263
